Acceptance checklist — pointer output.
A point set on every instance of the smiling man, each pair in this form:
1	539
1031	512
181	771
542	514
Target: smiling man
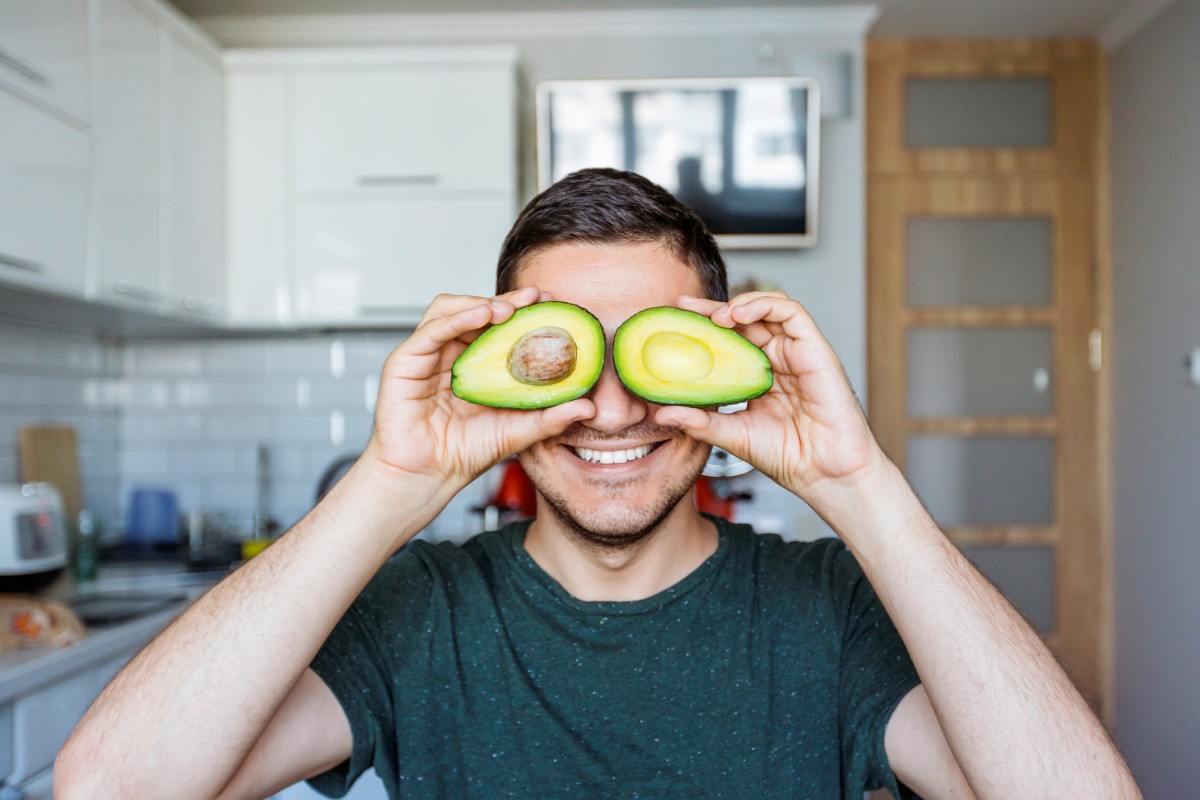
620	644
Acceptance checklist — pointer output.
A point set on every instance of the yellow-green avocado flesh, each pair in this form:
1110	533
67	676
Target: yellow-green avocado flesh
484	373
680	358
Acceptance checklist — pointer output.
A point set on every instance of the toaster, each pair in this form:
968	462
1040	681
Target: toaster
33	537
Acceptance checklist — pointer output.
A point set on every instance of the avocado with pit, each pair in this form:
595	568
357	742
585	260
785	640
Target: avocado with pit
675	357
543	355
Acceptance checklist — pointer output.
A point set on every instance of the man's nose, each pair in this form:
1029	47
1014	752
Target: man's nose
617	408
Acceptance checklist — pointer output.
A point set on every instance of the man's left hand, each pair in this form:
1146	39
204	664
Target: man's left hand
807	433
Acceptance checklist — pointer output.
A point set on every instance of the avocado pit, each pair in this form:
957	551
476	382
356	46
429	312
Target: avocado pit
543	356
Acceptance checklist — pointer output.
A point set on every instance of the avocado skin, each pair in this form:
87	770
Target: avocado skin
480	373
741	370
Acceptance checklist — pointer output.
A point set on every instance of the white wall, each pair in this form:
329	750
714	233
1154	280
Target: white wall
1155	81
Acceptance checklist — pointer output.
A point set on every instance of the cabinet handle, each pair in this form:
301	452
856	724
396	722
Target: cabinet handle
27	70
198	306
133	290
384	311
21	263
398	180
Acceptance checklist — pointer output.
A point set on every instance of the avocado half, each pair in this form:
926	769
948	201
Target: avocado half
543	355
680	358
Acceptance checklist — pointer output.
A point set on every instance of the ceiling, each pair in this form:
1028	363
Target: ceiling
906	18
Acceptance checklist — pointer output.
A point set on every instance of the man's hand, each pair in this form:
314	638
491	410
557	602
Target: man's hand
423	431
808	432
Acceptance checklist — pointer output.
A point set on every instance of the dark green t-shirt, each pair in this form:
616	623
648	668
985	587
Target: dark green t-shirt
768	672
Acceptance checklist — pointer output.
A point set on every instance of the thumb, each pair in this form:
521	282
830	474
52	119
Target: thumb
526	428
725	431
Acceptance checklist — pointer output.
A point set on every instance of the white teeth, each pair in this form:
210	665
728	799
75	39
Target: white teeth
613	456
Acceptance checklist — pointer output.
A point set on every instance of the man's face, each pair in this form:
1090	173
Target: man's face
613	504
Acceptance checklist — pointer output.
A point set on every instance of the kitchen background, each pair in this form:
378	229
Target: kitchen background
157	399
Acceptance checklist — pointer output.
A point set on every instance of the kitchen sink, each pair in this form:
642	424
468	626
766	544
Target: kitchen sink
100	609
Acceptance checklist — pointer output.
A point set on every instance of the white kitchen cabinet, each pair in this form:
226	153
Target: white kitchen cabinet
193	143
43	203
363	182
127	192
396	126
257	284
373	258
44	52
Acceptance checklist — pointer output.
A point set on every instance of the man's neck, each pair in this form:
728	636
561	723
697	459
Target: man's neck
672	551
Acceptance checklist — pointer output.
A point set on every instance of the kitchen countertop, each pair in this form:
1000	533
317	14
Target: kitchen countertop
23	671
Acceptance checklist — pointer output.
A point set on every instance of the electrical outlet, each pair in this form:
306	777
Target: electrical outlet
1193	364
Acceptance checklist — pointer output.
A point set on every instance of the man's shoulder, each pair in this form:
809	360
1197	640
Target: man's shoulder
773	549
783	565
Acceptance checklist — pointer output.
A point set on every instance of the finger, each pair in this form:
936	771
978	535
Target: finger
726	431
701	305
525	428
445	304
758	334
792	317
433	335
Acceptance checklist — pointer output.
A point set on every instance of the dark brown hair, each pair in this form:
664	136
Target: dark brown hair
608	206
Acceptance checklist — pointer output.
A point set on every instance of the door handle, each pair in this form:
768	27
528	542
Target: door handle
368	181
27	70
21	263
136	291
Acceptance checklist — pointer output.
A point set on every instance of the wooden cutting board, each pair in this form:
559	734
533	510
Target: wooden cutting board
49	453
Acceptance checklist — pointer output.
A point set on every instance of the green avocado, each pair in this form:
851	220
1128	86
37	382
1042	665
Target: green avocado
543	355
680	358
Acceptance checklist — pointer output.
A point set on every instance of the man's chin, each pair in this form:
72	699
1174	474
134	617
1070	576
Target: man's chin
614	525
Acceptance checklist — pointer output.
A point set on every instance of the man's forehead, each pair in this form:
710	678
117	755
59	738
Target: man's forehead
611	272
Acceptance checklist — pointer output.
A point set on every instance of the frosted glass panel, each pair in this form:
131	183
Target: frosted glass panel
979	261
1025	575
979	371
984	480
977	112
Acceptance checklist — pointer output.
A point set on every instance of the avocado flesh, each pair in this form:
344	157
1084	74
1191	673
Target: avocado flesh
481	374
674	357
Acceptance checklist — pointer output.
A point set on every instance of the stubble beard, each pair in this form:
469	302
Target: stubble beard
613	531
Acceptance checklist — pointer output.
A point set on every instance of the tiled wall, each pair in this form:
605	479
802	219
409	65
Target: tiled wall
196	412
52	377
189	416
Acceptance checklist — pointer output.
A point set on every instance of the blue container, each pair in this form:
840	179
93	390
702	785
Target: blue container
153	517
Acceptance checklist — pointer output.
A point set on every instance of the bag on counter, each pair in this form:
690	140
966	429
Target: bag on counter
26	621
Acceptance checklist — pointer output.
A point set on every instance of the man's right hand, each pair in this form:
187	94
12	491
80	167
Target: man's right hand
423	433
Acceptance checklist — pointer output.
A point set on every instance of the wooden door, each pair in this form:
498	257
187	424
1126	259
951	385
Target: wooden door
987	309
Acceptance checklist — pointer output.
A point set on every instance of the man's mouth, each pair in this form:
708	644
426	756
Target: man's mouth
613	456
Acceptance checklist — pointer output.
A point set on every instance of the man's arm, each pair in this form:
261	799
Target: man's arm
221	704
1007	712
1012	718
182	718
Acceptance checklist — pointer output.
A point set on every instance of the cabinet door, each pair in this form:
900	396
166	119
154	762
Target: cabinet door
126	134
43	205
45	718
257	292
195	267
375	259
382	127
43	52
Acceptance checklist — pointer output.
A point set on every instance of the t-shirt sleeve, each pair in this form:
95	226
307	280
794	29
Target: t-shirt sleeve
875	675
360	659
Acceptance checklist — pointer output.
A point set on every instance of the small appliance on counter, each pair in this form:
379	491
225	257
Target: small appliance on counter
716	492
33	537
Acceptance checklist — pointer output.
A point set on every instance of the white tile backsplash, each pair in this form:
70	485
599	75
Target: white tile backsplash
190	415
52	377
